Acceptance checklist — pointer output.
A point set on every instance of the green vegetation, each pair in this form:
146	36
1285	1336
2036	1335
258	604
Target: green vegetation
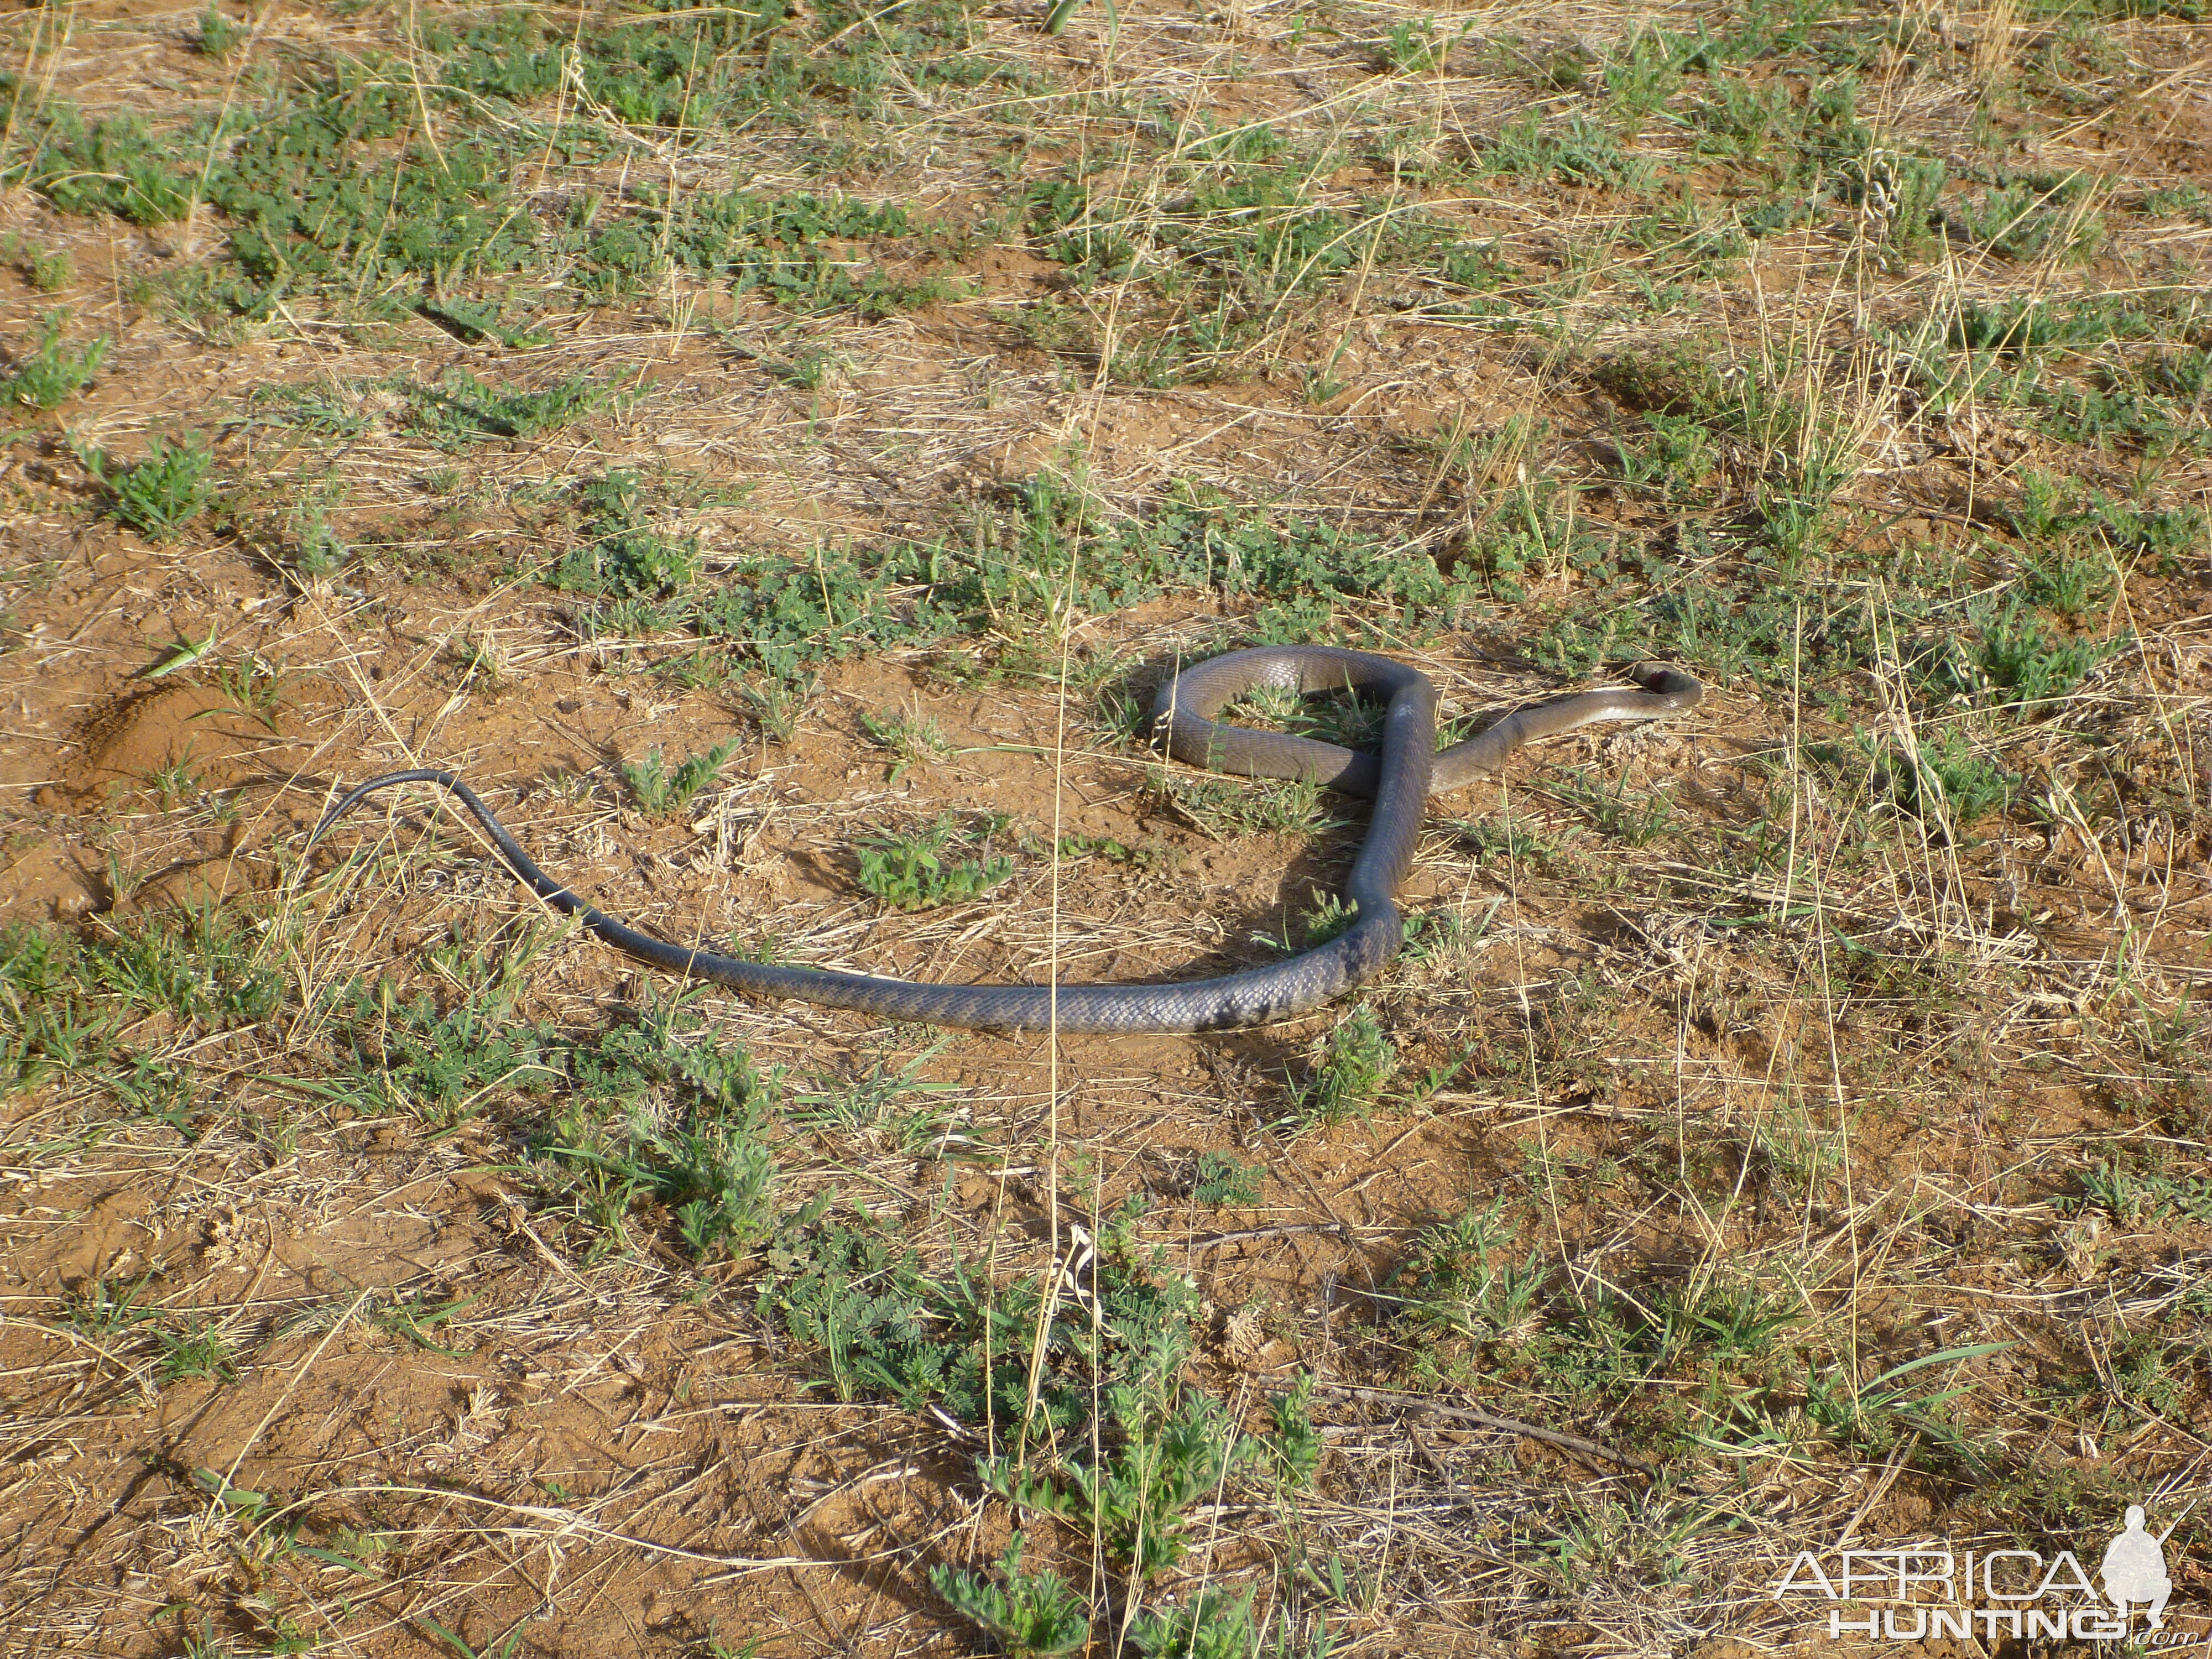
883	1324
53	372
1350	1066
912	872
159	496
688	368
1224	1181
1036	1615
913	736
462	410
67	1004
663	791
194	1350
2136	1195
703	1157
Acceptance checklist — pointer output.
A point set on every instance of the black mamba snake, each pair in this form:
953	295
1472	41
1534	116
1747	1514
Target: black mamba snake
1399	780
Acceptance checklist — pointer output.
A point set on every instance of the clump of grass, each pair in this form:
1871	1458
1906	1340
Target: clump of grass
157	496
117	166
48	270
661	791
408	1056
2140	1194
2015	653
219	37
1415	45
1575	151
205	966
652	1113
1213	1624
1460	1276
195	1351
103	1310
777	701
916	738
1488	840
625	558
1137	1498
1225	808
1620	814
462	410
54	370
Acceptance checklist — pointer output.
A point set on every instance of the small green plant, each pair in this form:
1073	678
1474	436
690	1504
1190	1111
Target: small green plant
414	1318
1638	819
898	1105
159	496
1138	1496
48	270
2016	655
1415	45
1294	1447
1463	1279
661	792
321	552
1509	840
103	1310
2070	581
194	1350
626	556
1036	1615
203	965
1224	807
1874	1416
777	701
1354	1061
653	1115
1946	783
916	738
174	781
219	36
1225	1181
53	371
911	872
50	1018
1212	1624
507	1650
2136	1197
462	410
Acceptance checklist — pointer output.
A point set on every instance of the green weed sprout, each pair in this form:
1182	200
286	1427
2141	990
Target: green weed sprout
1036	1614
159	496
53	372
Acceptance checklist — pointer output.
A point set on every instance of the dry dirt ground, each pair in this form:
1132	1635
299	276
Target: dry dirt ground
1788	1129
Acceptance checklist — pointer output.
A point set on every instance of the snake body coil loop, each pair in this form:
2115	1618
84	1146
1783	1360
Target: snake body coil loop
1400	777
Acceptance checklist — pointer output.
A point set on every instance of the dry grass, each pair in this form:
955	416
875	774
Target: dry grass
357	1301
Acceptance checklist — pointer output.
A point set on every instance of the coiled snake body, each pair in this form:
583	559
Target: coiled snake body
1400	779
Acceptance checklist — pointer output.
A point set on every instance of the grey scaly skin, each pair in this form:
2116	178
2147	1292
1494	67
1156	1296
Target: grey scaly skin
1400	779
